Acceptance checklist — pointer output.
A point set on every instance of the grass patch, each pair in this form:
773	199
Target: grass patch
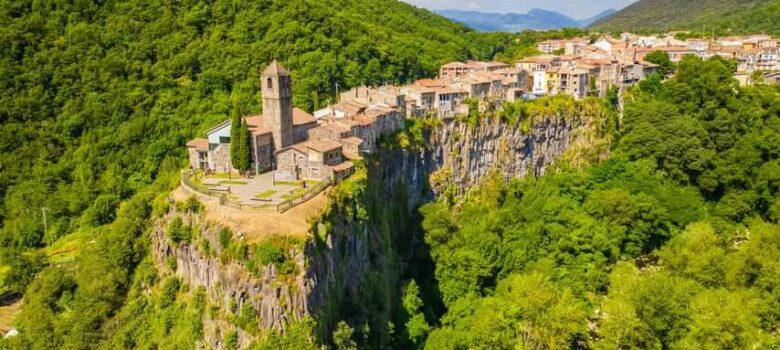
294	194
3	271
67	248
297	183
266	194
224	176
233	182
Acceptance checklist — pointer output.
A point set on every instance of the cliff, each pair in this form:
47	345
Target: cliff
352	265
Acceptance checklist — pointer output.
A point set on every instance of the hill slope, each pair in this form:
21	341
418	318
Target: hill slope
98	99
601	16
673	14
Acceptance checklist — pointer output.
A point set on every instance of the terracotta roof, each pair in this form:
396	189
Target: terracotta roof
323	146
351	107
345	122
430	83
377	111
275	69
663	48
337	127
417	89
342	167
352	140
365	120
256	126
300	147
301	117
199	144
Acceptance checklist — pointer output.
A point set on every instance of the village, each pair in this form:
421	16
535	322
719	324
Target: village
296	154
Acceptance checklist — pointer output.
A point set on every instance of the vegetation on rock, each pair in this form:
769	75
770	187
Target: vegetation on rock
654	247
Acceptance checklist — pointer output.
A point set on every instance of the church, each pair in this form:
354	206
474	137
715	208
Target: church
279	140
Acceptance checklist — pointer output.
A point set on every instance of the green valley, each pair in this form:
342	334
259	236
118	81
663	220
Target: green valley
366	174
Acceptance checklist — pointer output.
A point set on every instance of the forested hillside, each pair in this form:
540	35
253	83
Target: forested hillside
672	243
721	16
98	98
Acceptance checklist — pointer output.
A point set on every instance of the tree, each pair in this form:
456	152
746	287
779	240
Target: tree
240	141
244	156
661	58
416	326
342	337
722	319
235	135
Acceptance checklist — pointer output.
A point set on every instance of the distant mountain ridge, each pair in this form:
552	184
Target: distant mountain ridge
723	15
536	19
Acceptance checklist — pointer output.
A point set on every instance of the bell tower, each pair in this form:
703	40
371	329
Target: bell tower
277	104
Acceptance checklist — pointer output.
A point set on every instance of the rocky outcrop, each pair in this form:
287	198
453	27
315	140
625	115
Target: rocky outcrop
276	298
469	152
335	268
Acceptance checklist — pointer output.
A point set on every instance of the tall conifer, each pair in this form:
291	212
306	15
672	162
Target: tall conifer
244	161
235	132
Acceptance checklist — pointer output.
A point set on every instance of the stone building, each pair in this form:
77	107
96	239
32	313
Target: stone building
279	136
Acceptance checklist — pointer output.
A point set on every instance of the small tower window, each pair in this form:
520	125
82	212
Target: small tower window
269	83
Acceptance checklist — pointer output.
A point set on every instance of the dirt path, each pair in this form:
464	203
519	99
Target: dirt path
258	225
8	312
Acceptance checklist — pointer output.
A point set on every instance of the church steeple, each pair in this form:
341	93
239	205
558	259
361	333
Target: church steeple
277	104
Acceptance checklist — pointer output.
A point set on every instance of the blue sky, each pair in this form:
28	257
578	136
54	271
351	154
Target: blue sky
573	8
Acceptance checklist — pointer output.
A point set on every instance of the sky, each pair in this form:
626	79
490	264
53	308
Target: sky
573	8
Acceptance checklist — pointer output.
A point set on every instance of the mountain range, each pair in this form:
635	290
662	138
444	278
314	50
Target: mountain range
535	19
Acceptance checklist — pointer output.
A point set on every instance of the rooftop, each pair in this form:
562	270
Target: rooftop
323	146
301	117
275	69
199	144
256	126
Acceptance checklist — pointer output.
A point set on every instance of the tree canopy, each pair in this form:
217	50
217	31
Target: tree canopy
656	247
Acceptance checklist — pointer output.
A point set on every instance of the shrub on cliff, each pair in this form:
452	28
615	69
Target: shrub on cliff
177	232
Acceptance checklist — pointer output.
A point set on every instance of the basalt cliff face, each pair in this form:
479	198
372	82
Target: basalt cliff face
468	152
351	266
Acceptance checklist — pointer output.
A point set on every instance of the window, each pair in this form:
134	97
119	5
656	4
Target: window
269	83
224	139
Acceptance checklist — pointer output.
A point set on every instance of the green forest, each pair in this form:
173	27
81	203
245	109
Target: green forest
99	98
671	243
721	17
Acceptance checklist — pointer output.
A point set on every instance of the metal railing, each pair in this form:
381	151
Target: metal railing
224	200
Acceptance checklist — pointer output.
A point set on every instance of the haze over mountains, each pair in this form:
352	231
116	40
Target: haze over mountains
536	19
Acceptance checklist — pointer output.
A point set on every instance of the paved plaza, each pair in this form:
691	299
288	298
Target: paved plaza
258	190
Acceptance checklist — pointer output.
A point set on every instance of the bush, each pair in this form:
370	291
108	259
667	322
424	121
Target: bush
161	205
268	254
193	205
231	340
225	237
168	294
103	211
177	232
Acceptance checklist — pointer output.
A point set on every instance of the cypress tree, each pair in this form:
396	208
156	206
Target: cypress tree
244	161
235	132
